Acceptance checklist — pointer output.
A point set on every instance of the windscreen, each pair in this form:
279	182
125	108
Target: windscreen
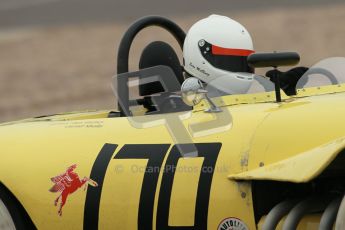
330	71
241	83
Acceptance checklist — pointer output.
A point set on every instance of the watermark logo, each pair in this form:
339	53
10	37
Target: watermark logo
180	128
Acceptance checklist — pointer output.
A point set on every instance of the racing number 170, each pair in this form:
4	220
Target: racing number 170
155	153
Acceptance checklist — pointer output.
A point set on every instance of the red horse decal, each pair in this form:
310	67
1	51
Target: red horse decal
67	183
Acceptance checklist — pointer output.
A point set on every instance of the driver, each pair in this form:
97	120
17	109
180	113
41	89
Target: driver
215	51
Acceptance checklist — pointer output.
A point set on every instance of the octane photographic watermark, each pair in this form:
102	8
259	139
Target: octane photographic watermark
136	168
179	125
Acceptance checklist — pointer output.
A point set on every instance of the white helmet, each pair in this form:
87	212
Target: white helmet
215	51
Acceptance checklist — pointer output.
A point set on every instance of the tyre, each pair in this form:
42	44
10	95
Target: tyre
12	215
6	221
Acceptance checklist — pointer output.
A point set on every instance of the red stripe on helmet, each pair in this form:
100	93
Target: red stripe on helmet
216	50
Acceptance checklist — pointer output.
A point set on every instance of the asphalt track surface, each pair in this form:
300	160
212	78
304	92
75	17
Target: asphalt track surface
33	13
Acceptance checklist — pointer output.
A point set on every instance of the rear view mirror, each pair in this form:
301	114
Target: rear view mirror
193	92
261	60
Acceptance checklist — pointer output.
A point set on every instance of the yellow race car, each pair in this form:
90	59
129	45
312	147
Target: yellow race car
184	157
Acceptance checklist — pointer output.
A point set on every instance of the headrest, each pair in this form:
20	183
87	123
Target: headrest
159	53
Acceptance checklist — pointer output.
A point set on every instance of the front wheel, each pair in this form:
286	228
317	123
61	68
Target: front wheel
12	214
6	221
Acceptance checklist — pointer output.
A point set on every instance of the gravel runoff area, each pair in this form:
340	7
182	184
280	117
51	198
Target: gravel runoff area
68	68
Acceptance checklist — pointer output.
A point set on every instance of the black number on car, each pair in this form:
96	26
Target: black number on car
155	153
209	151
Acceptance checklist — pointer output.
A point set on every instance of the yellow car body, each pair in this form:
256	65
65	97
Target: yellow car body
292	141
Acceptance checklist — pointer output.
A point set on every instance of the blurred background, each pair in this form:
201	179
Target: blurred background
60	55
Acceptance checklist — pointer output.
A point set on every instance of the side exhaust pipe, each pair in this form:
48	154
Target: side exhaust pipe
340	222
277	213
314	204
329	216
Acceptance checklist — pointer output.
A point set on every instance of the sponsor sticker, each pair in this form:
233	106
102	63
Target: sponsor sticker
67	183
232	223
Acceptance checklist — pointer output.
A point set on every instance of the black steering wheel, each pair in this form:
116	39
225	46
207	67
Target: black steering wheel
125	46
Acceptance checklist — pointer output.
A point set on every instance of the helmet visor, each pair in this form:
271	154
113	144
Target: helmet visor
234	60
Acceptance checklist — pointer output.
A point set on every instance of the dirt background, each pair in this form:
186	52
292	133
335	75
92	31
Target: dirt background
69	68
